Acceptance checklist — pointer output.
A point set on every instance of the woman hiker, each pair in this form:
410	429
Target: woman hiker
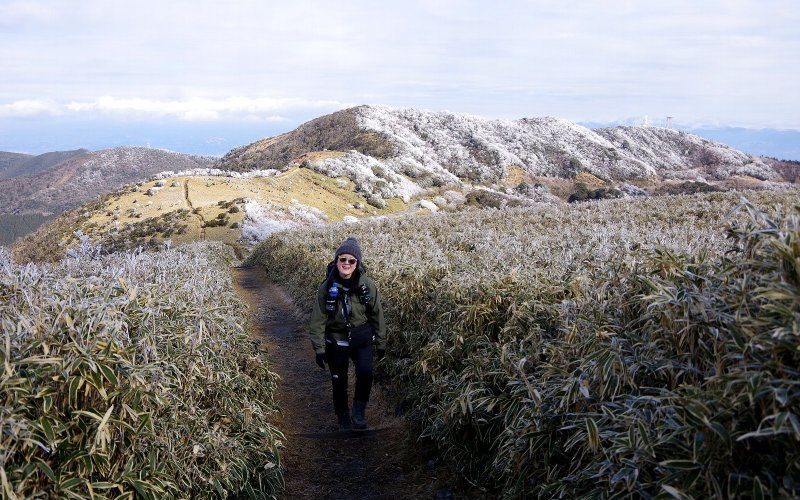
347	321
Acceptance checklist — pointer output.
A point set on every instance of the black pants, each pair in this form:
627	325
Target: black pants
339	361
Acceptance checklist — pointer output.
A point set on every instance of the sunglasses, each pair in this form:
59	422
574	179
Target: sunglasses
345	260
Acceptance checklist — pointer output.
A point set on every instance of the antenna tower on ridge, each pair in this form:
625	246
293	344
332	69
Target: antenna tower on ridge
644	122
669	122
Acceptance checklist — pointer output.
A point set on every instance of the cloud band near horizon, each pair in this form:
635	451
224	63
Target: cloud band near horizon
190	110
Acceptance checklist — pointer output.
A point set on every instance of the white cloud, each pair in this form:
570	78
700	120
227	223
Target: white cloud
250	109
580	60
204	109
28	107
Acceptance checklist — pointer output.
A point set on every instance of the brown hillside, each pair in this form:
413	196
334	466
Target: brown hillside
336	132
85	176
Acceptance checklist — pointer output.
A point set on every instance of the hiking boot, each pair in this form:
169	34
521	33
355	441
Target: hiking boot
344	421
359	418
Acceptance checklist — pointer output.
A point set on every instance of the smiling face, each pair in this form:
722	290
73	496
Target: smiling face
346	264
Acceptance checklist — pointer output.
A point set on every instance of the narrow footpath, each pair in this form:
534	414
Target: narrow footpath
319	460
191	208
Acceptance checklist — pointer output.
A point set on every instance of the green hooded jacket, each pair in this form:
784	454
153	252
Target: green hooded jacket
334	325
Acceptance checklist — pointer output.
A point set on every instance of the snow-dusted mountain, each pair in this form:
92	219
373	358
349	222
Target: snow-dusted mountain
398	152
83	176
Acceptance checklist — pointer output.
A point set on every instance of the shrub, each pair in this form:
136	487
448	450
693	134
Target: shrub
219	221
689	187
637	349
583	193
120	380
376	201
484	199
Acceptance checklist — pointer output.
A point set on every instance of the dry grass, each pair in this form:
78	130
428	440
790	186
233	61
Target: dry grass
515	175
558	186
301	184
313	157
589	180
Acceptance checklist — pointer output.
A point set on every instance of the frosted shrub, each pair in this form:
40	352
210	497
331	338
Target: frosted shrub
637	348
5	259
84	249
454	198
262	220
132	376
215	172
370	174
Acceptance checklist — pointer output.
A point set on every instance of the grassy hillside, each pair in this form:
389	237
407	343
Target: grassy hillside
629	347
190	208
132	376
338	131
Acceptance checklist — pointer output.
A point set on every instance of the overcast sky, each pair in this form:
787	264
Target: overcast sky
276	63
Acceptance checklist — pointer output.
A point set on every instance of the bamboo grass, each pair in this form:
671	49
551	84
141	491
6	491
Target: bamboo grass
132	376
628	348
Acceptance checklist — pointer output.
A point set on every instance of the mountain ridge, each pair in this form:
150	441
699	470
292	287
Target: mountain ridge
373	161
393	152
14	165
83	176
450	146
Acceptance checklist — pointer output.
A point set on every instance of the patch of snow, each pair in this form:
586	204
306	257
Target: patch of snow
371	175
262	220
455	147
215	172
428	205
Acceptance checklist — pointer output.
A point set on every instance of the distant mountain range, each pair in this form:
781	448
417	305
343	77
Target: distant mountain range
217	138
780	144
399	152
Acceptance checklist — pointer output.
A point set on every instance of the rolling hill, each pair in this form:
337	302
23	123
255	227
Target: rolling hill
84	176
438	148
35	188
14	165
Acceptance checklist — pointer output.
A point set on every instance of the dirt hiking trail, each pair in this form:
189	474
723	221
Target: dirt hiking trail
320	461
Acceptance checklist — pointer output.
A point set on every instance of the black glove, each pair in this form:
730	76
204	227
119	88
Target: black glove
380	353
321	359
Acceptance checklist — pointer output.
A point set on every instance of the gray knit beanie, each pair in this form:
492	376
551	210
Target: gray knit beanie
349	246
